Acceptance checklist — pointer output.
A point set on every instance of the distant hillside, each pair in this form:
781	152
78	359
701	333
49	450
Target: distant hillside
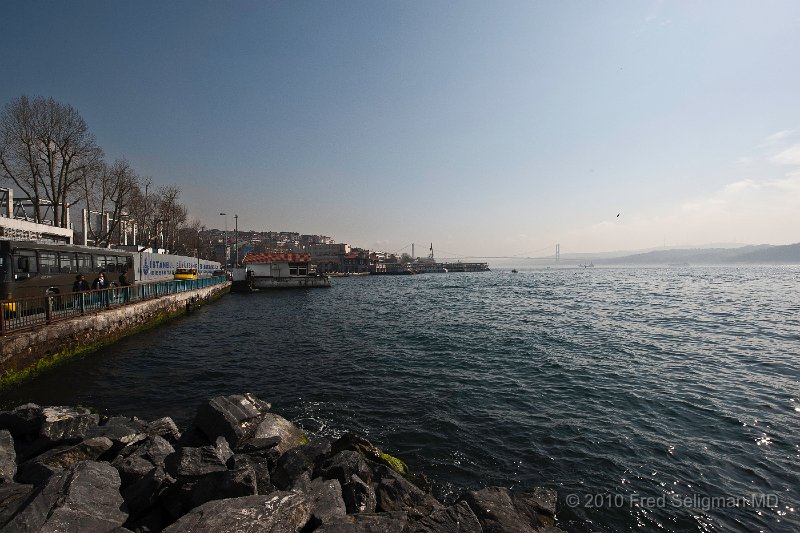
759	254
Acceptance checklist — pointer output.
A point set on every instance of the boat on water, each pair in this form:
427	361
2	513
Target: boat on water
514	271
264	271
587	265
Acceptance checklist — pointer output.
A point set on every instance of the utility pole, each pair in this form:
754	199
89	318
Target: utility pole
225	240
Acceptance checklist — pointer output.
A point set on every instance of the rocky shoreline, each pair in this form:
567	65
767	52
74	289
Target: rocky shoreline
239	468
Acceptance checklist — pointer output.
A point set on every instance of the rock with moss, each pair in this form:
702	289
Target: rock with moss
289	436
298	461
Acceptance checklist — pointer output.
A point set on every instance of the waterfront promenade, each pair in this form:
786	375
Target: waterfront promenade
39	332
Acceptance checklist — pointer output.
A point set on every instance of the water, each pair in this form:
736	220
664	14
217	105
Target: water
610	385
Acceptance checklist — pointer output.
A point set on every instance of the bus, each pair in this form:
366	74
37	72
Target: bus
29	269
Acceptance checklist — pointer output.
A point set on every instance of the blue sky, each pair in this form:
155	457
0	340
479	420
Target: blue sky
488	128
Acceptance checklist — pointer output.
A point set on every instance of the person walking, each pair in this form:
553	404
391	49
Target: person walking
99	284
80	284
125	284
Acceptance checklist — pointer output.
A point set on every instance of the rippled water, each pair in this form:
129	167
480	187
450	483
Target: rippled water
610	385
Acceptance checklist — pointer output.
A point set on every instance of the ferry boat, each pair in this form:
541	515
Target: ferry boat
271	270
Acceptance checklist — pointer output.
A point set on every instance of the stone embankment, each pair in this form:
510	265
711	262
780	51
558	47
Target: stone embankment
26	353
239	468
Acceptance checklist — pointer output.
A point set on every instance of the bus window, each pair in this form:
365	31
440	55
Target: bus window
25	264
66	262
99	263
48	262
129	262
111	264
84	264
5	267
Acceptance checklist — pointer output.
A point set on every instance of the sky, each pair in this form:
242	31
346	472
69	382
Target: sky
485	128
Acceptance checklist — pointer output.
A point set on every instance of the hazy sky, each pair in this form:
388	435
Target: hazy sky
488	128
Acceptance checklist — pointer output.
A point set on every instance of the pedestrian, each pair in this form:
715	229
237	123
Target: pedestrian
125	284
100	281
123	278
80	284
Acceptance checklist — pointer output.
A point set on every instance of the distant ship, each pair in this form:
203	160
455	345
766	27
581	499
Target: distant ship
514	271
587	265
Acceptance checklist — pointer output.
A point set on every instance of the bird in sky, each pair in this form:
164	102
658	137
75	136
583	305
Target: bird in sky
617	215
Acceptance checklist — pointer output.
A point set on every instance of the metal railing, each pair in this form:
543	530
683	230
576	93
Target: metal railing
25	313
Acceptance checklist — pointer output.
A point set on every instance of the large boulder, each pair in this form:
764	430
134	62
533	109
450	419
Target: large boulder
82	498
395	522
289	436
24	421
457	518
240	481
260	466
121	431
325	499
279	512
141	496
344	465
166	428
136	461
395	493
353	442
8	457
66	423
13	497
537	504
196	462
234	417
38	470
500	510
297	461
358	496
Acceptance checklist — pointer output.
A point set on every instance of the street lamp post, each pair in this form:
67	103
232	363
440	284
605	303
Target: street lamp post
199	244
225	239
236	245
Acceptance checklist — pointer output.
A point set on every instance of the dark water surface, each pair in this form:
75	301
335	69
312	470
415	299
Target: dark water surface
610	385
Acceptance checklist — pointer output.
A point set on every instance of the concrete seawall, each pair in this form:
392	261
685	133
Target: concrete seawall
26	353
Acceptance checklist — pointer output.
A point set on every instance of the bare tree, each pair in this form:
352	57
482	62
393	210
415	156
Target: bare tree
108	189
18	151
44	147
172	214
143	210
193	241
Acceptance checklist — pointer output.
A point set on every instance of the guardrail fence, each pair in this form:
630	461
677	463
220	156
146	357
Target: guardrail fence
27	313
